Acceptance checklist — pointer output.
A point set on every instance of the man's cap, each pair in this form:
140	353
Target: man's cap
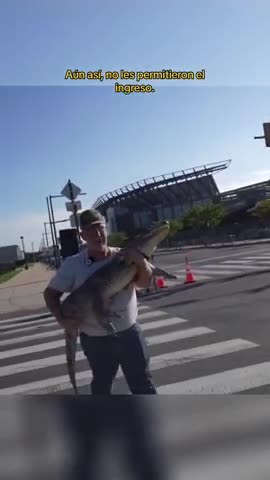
91	217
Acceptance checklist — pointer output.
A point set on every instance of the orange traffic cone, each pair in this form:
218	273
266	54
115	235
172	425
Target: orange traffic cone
189	275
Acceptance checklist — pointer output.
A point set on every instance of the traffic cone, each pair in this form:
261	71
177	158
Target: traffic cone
160	282
189	275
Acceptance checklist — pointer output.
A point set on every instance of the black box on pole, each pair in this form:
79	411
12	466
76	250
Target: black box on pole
69	242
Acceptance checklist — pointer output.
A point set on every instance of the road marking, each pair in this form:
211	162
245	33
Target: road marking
39	324
49	320
158	362
199	277
232	262
167	322
153	314
229	381
250	267
212	272
211	259
155	340
178	335
46	316
258	258
35	328
28	317
236	262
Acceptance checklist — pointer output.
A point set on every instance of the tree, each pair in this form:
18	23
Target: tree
117	239
262	210
175	227
204	216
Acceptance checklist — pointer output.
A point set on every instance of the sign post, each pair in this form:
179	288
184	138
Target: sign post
71	191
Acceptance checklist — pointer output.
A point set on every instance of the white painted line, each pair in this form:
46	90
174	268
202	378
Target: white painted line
45	321
44	317
178	335
32	349
37	328
167	322
230	381
265	257
167	337
229	264
37	364
249	267
158	362
195	273
28	338
56	333
28	317
142	307
211	272
236	262
40	324
152	314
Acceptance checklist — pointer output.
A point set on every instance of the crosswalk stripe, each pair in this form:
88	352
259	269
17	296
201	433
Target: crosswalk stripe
199	277
228	381
47	321
222	266
250	267
145	326
211	272
236	262
19	327
154	340
257	257
166	359
151	314
27	317
158	362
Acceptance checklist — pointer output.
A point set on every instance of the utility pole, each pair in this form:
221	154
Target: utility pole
266	136
33	252
74	206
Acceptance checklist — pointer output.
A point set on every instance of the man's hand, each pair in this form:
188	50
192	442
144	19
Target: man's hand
70	325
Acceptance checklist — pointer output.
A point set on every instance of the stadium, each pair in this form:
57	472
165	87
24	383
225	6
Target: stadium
135	207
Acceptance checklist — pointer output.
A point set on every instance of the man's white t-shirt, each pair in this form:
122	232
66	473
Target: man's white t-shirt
75	270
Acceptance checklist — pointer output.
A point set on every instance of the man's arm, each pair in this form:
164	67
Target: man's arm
52	301
144	275
62	282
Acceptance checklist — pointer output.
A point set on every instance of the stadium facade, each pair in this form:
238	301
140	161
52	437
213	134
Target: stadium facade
136	206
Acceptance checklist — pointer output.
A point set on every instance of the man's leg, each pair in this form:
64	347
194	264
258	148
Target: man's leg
102	357
134	360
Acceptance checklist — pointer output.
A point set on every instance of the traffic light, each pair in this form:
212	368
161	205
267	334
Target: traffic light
266	129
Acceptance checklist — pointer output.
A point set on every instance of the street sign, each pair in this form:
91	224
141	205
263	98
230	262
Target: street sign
72	207
73	221
66	191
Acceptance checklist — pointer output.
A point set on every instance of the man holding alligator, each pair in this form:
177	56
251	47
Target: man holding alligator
106	352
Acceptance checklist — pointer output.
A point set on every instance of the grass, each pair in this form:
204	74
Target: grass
5	276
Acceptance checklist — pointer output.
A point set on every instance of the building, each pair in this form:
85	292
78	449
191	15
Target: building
10	255
136	206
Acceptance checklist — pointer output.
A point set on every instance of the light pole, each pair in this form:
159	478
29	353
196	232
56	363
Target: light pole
23	248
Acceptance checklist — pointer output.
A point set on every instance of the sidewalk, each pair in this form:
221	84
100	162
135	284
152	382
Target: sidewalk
23	294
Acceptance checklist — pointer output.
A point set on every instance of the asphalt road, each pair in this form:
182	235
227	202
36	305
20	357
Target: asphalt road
212	336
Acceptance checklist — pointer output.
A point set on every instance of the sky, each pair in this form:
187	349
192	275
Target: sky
52	129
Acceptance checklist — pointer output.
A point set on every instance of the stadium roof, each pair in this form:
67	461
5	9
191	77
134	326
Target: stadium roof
133	190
